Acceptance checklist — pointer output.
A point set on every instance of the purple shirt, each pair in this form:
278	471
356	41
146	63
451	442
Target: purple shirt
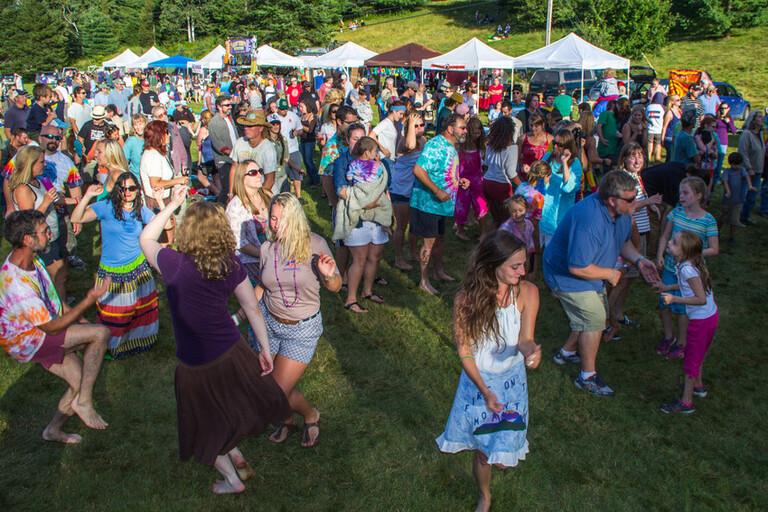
525	236
201	320
722	128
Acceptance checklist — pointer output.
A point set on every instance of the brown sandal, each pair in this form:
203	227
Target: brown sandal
305	434
278	437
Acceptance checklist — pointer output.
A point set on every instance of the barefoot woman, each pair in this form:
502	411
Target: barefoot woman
494	320
223	392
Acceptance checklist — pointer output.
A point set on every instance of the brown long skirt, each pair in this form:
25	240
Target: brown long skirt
220	403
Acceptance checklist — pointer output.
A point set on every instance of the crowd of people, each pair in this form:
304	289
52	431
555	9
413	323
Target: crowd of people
564	200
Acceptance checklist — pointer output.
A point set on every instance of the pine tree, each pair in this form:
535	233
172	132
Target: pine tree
98	33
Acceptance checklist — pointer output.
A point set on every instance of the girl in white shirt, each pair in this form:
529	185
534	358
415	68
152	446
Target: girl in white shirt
695	287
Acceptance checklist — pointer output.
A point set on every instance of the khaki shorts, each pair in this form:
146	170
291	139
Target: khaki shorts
586	311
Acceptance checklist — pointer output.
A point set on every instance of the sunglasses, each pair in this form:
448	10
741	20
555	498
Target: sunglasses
420	125
52	137
254	172
629	200
129	188
226	104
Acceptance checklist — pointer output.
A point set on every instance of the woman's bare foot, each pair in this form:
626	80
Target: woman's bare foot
225	487
443	276
403	265
58	436
88	414
483	504
427	287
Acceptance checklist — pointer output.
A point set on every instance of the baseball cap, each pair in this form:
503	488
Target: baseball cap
457	98
145	82
282	104
21	92
274	119
445	85
412	85
462	109
99	112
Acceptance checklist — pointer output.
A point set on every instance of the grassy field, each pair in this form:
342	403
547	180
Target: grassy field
729	59
384	383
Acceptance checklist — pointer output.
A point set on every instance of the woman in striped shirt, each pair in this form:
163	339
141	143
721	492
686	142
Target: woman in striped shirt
631	161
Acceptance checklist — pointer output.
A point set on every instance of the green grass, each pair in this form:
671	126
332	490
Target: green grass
729	59
385	383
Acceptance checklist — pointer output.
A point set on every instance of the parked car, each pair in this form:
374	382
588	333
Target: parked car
46	77
740	107
544	80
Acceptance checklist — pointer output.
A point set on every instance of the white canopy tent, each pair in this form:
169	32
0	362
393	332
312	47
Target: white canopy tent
150	55
268	56
473	55
213	60
572	52
348	55
123	60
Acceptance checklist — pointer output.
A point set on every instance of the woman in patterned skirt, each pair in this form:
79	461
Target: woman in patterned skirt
494	320
129	308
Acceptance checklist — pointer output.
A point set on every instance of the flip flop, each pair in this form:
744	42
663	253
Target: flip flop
374	297
381	281
305	434
353	304
278	432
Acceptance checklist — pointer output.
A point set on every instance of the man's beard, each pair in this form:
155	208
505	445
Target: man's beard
52	147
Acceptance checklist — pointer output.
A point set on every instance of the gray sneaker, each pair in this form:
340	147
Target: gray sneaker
561	358
594	385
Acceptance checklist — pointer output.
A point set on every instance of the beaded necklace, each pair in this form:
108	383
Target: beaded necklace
280	286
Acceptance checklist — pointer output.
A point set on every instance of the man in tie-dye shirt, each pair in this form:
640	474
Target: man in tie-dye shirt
36	327
433	196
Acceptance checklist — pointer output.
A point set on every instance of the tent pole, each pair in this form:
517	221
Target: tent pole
512	83
582	83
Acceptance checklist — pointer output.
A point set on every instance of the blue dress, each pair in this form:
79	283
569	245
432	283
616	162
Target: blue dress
471	425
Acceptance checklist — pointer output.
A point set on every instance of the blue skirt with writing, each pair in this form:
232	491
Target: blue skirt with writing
472	426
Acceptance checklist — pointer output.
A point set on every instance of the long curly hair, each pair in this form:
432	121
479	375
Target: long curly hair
117	199
205	236
293	232
475	306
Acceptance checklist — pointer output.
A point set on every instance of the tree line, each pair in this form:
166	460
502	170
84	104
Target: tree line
47	34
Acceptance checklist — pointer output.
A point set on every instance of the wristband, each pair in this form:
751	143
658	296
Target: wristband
639	259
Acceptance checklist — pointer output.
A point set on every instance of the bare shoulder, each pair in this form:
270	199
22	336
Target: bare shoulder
529	295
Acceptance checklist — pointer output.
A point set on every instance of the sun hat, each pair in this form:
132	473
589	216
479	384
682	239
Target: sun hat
99	112
253	118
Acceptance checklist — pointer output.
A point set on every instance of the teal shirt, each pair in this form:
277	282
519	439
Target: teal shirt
441	162
133	148
564	104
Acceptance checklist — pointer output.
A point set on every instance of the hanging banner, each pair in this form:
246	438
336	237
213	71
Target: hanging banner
681	79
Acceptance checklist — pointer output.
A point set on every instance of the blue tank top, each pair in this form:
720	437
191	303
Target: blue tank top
669	135
207	150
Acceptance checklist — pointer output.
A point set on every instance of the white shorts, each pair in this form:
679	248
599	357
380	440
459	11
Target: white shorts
368	233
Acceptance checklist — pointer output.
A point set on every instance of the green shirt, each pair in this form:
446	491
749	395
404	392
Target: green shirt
608	121
564	104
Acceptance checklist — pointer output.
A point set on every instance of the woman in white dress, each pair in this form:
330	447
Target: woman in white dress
494	321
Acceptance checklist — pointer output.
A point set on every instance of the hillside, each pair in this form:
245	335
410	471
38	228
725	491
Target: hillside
728	59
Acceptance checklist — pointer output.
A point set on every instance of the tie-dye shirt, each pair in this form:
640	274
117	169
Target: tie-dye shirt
27	299
364	171
65	173
328	155
533	197
441	161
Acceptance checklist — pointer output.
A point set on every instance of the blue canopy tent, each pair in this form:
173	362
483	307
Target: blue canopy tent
174	61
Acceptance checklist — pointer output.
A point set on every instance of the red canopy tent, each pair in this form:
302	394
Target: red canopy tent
406	56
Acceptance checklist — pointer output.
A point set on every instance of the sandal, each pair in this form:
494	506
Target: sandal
374	297
305	435
360	309
245	471
380	281
282	432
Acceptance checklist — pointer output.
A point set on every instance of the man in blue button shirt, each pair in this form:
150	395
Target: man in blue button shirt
581	257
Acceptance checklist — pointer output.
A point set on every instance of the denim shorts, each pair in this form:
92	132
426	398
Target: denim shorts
668	277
